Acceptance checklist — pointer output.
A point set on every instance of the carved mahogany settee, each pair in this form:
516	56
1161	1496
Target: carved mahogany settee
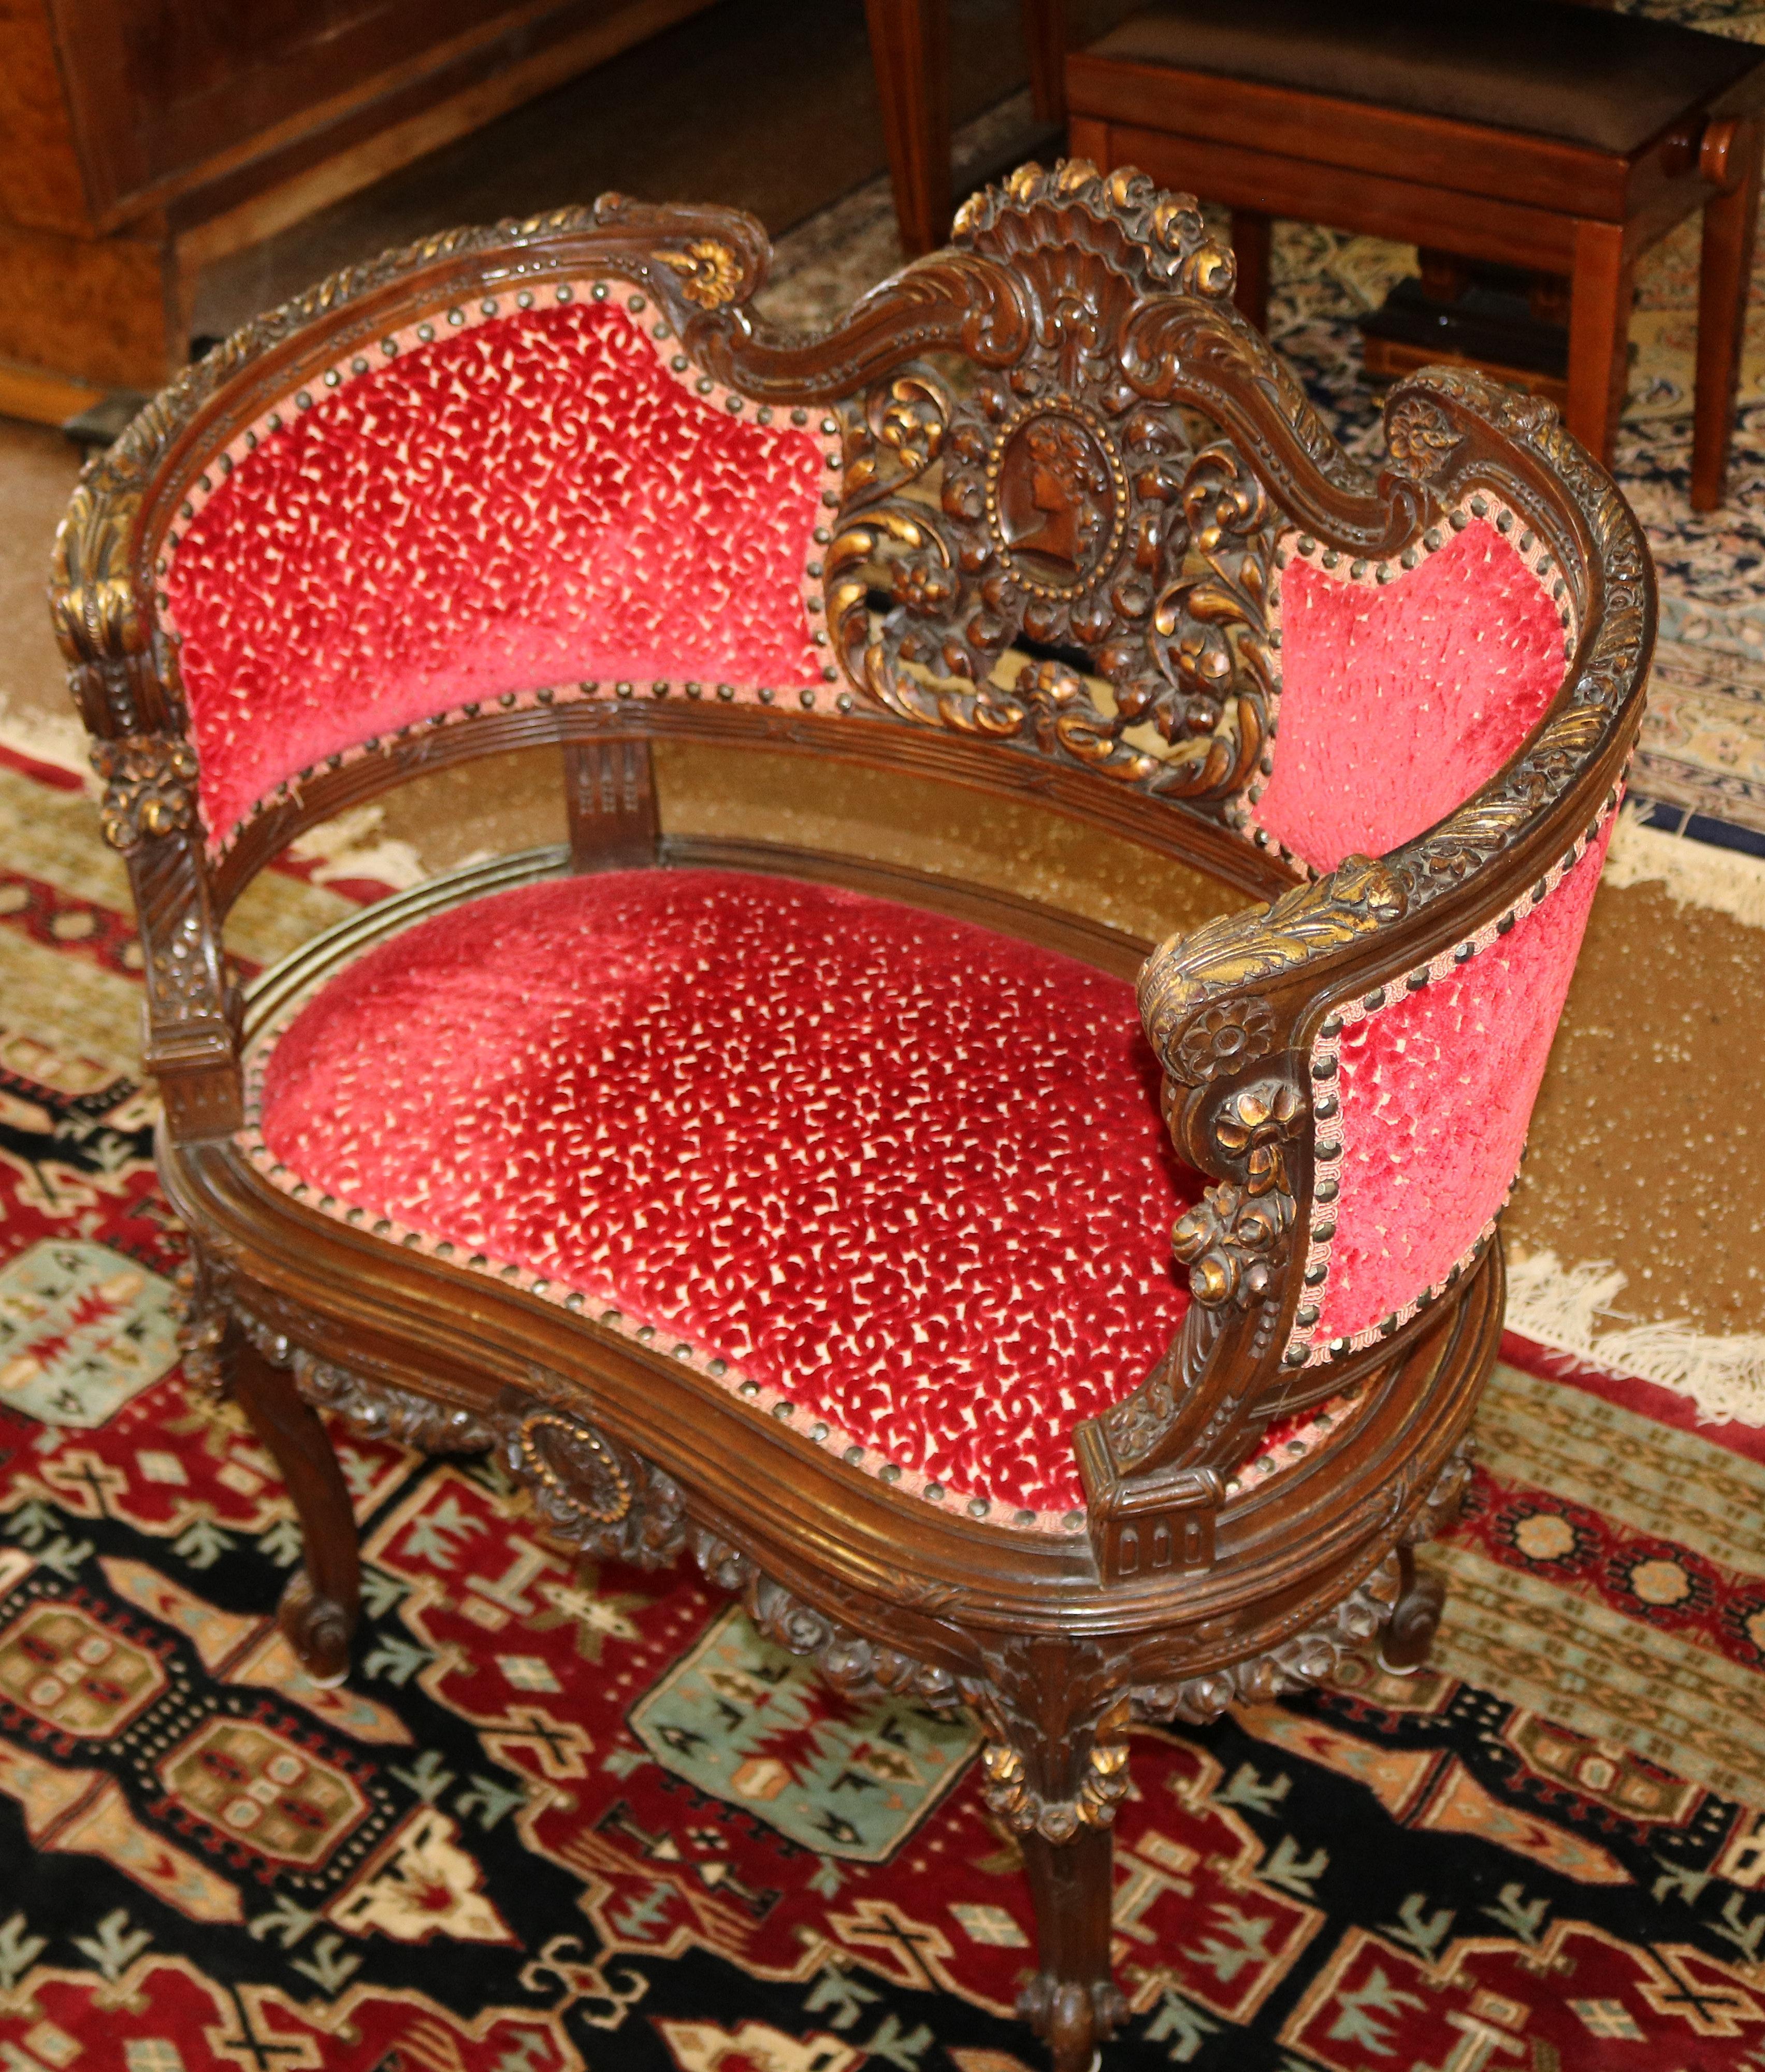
810	1212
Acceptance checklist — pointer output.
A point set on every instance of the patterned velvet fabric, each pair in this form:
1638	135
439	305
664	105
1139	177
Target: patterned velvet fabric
905	1175
1437	1088
1399	699
535	499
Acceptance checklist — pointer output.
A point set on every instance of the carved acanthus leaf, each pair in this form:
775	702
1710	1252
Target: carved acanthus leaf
1102	1785
1184	976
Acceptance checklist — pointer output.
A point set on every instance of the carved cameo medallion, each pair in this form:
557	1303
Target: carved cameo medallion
1056	497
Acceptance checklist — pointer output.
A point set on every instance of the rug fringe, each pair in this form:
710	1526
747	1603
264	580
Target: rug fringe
1562	1307
1692	873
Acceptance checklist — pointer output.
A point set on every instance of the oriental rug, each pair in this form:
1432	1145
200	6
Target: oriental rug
572	1816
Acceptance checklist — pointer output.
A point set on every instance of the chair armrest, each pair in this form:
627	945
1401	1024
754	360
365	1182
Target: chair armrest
1229	1009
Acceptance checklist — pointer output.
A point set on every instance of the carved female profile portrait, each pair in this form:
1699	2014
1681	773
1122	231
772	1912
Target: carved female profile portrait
1055	501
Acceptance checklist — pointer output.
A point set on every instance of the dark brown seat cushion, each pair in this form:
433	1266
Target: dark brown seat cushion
1612	81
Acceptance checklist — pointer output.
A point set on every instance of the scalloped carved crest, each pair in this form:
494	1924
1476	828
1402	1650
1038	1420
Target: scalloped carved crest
1052	492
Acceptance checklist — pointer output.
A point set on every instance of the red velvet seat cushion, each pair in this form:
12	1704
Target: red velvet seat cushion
907	1174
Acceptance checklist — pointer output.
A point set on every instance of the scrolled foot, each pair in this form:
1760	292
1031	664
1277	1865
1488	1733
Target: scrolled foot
1415	1619
1072	2017
319	1630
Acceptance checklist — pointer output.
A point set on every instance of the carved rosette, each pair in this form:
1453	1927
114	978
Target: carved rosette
150	786
1055	500
203	1284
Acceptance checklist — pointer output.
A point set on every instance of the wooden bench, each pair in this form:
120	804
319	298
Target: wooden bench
1540	134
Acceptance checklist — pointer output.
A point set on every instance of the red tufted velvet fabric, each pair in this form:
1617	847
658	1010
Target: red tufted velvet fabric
908	1173
1437	1089
541	497
1399	699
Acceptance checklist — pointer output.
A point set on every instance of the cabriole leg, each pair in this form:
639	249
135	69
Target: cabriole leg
320	1605
1073	2004
1415	1617
1057	1767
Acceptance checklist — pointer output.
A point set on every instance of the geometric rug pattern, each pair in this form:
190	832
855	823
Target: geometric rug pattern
565	1814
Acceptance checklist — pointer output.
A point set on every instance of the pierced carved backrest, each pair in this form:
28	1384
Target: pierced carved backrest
1044	541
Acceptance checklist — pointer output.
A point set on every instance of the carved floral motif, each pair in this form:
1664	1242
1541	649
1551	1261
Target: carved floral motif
1186	974
1420	437
1055	500
1296	1665
382	1410
150	786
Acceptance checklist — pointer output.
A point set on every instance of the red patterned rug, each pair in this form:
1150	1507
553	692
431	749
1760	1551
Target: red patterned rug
567	1816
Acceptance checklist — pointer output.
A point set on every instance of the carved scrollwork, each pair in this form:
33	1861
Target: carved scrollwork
849	1661
1185	974
710	272
381	1410
1295	1665
1445	1497
1102	1785
150	786
1052	500
203	1284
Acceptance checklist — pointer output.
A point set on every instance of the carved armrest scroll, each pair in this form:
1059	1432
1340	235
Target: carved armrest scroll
1227	1008
123	678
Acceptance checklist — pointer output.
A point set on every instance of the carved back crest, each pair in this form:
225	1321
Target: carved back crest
1038	545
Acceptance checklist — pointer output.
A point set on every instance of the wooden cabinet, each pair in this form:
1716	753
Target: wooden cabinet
139	138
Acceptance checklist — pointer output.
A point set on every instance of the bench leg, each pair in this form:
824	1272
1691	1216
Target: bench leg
1599	299
1724	278
320	1605
1250	238
909	47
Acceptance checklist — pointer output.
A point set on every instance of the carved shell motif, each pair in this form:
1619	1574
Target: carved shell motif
1023	515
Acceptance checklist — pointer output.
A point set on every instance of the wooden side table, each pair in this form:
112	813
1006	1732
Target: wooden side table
1538	134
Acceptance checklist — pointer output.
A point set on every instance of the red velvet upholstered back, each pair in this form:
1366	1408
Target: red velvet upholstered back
526	497
1435	1081
1404	689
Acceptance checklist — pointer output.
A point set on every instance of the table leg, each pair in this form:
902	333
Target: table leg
1599	299
909	47
1724	279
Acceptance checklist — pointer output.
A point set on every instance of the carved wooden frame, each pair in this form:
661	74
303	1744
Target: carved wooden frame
1103	304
